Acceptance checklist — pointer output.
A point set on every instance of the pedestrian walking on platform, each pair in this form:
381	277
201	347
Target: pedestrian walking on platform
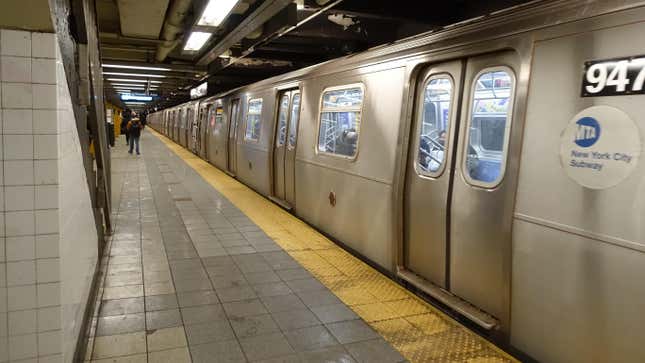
134	131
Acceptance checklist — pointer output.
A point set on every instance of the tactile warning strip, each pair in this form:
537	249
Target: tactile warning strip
419	331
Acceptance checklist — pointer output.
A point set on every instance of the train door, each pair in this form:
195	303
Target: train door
232	136
284	149
196	128
458	188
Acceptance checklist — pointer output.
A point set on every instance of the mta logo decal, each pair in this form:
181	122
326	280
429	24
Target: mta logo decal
588	132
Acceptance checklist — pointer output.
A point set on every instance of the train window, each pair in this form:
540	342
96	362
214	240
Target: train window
434	127
489	126
253	120
283	113
340	118
295	116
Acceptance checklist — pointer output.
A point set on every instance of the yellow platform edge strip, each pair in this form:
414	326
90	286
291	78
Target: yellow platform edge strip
419	331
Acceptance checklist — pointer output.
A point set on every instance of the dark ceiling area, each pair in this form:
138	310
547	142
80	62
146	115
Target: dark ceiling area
153	46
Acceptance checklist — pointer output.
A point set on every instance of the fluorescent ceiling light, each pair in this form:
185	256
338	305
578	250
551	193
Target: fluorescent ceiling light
135	74
132	85
131	80
196	40
136	67
216	11
134	103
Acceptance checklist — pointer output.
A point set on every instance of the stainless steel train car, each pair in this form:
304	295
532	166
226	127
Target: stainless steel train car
493	164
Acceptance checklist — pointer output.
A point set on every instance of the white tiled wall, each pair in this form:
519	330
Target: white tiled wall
48	241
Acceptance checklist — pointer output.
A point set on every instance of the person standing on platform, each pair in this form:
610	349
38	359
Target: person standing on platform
134	131
127	116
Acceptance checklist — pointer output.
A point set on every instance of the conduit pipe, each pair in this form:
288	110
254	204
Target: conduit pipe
173	26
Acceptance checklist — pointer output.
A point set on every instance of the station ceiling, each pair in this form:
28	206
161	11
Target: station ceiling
145	45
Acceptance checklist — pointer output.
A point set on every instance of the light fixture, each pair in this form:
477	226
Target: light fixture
196	40
216	11
136	67
135	74
130	85
134	103
131	80
300	4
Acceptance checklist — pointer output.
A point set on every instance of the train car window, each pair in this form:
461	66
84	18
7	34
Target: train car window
283	113
253	120
340	118
434	125
489	126
295	116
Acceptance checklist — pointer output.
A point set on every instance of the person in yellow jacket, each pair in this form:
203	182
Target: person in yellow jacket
134	133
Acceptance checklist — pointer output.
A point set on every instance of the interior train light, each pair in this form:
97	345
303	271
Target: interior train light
131	80
136	67
197	40
216	11
135	74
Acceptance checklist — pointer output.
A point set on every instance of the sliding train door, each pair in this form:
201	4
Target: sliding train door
284	149
232	136
459	190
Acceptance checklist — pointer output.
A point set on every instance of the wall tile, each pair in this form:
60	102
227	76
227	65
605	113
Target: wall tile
46	146
17	95
18	147
47	246
4	349
2	248
17	121
1	198
21	248
44	96
43	70
19	172
48	270
56	358
20	198
15	42
43	45
15	69
47	221
4	324
3	275
49	318
23	346
45	122
3	305
46	172
46	197
21	297
48	294
2	229
50	342
22	322
19	223
21	273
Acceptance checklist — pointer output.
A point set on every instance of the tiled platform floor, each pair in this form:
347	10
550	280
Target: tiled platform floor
192	278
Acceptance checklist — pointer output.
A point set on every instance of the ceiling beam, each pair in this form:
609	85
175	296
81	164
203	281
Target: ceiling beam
256	19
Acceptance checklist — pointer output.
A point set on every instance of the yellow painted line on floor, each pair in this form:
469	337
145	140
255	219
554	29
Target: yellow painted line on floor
418	330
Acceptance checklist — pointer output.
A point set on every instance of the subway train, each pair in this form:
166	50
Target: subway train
492	164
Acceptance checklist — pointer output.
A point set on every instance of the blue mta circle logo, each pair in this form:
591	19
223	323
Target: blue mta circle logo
588	132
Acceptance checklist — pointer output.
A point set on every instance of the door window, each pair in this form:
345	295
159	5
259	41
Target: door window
434	124
283	113
253	120
489	126
340	119
293	125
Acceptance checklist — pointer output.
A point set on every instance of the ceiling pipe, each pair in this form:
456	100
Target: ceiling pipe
173	26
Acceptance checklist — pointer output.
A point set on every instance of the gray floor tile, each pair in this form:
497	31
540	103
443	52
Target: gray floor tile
121	306
196	298
374	351
249	326
193	285
202	313
266	346
161	302
310	284
212	331
120	324
235	293
276	304
318	298
294	274
295	319
351	331
163	319
232	280
310	338
225	351
335	353
272	289
334	313
239	309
